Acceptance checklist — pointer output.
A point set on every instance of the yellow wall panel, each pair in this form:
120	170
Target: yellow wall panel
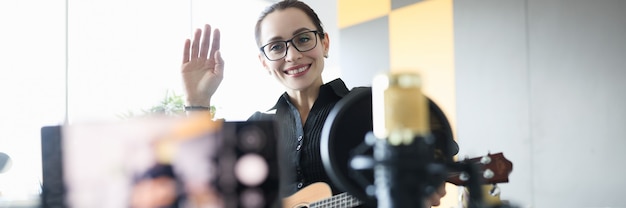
421	38
351	12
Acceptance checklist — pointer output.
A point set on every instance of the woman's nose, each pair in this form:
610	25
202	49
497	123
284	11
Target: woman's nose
292	53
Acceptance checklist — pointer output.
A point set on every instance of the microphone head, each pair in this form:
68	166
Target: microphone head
400	109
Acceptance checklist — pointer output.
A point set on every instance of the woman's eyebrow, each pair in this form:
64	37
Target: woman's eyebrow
298	31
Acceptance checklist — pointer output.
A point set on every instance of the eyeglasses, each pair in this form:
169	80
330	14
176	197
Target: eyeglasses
303	42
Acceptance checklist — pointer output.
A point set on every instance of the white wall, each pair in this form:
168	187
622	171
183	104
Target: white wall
542	81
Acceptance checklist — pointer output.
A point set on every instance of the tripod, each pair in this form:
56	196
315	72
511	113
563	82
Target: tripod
405	175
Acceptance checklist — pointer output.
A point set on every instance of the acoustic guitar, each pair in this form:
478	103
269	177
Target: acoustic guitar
495	168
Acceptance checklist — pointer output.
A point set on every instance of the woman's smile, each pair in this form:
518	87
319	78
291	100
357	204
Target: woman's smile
297	71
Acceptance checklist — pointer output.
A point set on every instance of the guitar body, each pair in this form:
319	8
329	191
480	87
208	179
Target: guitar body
312	193
320	195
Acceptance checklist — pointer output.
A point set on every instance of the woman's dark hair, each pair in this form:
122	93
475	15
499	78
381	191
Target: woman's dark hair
285	4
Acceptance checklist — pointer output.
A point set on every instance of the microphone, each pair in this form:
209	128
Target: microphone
400	110
404	171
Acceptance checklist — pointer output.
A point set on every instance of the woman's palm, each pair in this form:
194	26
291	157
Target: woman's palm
202	67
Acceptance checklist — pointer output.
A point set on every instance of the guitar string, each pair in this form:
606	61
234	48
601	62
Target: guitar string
348	201
340	199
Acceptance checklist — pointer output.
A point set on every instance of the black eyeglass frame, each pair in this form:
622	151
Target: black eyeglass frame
287	45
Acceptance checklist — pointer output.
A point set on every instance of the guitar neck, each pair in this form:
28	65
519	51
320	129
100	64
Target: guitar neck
493	168
343	200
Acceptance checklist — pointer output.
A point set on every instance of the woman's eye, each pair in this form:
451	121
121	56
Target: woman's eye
304	39
276	47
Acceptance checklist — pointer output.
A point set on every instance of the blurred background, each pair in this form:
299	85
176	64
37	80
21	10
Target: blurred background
540	81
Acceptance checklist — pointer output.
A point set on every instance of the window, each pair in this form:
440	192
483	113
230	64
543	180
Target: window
84	60
126	58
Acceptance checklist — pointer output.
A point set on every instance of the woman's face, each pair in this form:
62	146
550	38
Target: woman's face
297	70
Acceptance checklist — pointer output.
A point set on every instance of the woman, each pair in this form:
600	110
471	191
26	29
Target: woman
293	46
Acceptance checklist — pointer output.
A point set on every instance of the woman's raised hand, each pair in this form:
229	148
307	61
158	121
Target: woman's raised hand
203	67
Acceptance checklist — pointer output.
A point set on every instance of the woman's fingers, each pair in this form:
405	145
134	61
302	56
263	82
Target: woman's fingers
435	198
215	45
219	63
186	51
204	48
195	45
201	43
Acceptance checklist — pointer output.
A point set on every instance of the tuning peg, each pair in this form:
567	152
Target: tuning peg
463	176
488	174
495	190
485	160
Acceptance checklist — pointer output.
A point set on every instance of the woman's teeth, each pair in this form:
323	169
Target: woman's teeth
298	70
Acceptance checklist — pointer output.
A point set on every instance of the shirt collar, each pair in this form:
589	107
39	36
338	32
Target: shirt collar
337	86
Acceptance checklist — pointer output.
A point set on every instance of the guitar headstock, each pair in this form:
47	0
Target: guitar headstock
494	168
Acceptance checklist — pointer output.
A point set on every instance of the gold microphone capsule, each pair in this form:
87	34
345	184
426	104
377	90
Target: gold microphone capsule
400	109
